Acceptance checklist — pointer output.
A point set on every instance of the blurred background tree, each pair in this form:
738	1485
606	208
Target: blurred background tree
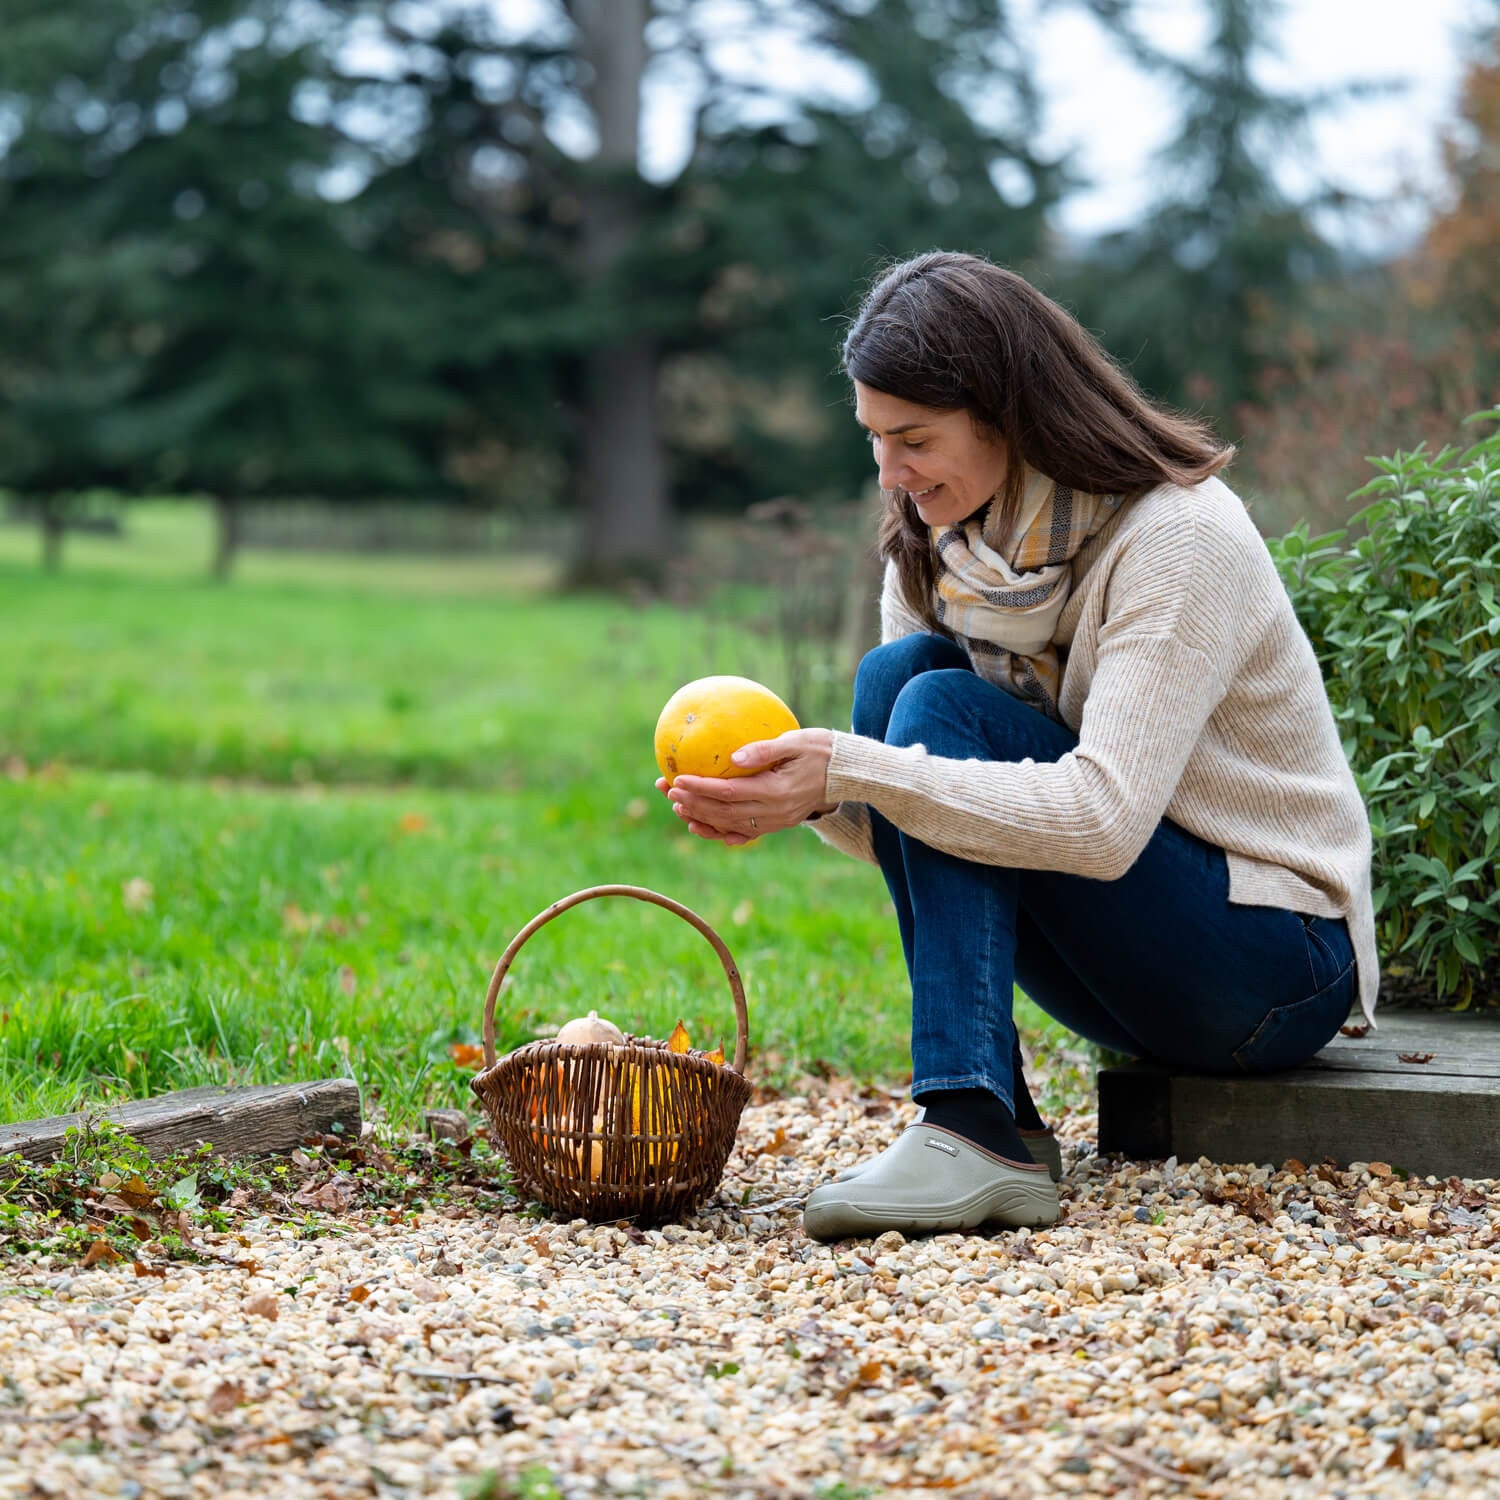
1187	295
411	249
190	311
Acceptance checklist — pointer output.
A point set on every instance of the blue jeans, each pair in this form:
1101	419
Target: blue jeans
1157	964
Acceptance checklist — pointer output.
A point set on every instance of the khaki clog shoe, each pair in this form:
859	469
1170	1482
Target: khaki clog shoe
932	1180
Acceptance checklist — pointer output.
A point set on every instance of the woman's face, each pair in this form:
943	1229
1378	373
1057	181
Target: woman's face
946	463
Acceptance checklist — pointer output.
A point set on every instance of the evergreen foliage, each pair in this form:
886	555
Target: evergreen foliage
1224	256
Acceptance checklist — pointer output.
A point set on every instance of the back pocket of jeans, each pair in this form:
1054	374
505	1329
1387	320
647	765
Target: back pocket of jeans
1291	1034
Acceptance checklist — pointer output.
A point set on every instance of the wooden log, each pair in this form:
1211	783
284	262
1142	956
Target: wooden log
234	1121
1420	1092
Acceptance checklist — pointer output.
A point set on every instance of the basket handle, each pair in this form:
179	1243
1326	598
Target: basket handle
736	986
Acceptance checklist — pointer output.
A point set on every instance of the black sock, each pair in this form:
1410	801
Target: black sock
1026	1116
978	1116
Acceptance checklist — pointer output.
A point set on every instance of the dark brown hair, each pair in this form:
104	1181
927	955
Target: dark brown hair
956	332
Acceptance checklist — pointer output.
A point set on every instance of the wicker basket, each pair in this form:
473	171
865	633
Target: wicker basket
607	1132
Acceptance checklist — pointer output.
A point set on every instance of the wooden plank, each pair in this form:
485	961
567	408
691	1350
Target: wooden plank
1457	1043
1356	1101
234	1121
1425	1125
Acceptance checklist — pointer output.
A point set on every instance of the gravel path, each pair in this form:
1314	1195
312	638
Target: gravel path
1184	1330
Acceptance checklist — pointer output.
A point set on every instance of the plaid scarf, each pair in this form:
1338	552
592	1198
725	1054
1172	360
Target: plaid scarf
1001	595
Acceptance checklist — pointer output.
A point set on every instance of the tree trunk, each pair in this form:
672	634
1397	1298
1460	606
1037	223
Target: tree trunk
226	536
51	512
623	467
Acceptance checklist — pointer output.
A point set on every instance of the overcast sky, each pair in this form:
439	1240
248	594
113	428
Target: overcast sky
1097	101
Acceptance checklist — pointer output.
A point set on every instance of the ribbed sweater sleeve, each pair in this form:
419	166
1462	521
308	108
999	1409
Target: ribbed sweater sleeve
1090	813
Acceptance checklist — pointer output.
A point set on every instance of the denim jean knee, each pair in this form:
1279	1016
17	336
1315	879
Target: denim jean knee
886	670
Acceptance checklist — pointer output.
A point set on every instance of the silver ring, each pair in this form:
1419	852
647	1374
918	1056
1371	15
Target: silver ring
754	824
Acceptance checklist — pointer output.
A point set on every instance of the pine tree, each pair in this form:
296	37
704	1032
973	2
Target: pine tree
1183	296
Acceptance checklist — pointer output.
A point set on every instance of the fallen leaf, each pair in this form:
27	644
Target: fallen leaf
334	1197
868	1373
679	1041
143	1270
263	1306
467	1054
716	1056
137	1193
227	1395
1355	1030
1416	1057
412	822
442	1266
358	1293
781	1144
1253	1202
101	1251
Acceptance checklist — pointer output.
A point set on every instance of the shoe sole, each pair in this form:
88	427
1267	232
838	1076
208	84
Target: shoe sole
1012	1205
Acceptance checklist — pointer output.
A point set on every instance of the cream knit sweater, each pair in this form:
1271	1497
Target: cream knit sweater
1195	695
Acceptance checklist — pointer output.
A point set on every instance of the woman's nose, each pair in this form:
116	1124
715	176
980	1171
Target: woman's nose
892	469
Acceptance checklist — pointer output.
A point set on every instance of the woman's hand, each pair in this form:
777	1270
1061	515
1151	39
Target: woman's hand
789	782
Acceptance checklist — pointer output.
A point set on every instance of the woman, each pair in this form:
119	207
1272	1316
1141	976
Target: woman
1093	754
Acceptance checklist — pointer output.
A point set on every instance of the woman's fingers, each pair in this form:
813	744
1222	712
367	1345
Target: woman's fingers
786	781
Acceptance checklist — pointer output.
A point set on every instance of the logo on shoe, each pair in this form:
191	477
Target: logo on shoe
941	1145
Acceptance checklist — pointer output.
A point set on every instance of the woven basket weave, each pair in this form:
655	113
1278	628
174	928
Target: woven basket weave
608	1132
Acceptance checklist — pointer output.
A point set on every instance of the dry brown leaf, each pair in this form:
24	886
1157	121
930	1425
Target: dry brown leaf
467	1054
1415	1057
101	1251
143	1270
136	1193
358	1293
868	1374
716	1056
263	1306
1355	1029
225	1397
333	1197
781	1144
679	1041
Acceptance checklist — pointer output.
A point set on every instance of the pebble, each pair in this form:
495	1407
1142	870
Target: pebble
1235	1333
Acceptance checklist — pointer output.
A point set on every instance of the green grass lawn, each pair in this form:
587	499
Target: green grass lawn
284	829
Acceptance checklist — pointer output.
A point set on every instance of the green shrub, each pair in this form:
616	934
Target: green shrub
1402	610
